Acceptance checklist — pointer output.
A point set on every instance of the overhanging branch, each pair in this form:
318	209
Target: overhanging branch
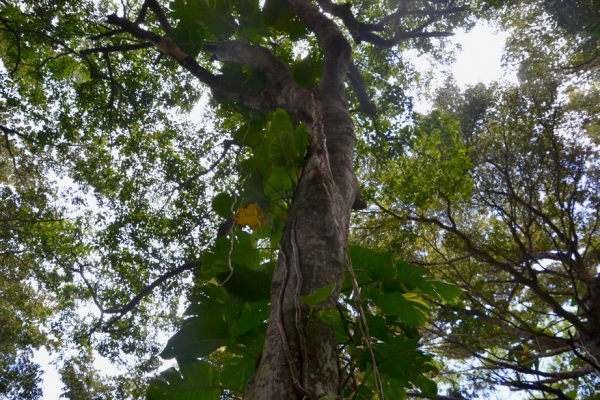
363	32
166	45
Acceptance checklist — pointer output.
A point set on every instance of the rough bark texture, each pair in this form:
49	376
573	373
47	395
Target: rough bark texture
296	363
591	338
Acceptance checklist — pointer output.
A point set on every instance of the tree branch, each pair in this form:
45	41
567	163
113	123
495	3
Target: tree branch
166	45
336	49
226	145
362	32
282	90
358	86
537	386
484	256
144	292
112	49
422	396
158	12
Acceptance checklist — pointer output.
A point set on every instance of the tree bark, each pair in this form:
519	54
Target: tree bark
296	362
313	253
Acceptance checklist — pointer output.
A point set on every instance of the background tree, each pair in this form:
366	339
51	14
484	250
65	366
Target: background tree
503	202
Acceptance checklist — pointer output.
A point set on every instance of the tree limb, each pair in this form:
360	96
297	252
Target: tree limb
166	45
484	256
282	90
362	32
537	386
358	86
111	49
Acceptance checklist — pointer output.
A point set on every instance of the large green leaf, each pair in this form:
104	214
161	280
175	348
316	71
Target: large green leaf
223	205
236	371
252	316
247	284
250	134
214	16
281	148
318	296
199	336
379	266
242	253
400	362
196	380
408	307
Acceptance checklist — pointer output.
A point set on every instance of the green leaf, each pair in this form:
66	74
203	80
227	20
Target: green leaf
214	16
379	266
331	316
447	291
243	254
301	140
318	296
223	205
427	386
250	134
279	182
198	380
252	316
281	148
247	284
409	308
253	188
199	336
236	371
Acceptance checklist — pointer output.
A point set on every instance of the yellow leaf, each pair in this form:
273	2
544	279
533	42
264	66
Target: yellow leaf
251	216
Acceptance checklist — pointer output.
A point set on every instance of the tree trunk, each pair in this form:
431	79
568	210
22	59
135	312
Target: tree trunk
591	338
297	363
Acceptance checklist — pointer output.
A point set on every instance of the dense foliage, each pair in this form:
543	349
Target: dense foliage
198	155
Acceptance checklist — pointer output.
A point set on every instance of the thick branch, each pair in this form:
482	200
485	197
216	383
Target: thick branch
538	386
399	36
543	342
358	86
167	46
148	289
362	32
120	48
158	12
336	49
281	89
496	364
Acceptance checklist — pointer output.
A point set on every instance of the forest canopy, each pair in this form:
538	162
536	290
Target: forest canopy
234	199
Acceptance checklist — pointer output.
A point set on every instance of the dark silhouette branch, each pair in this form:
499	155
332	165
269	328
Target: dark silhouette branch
158	12
358	86
420	395
226	145
17	36
120	48
538	386
121	312
363	32
486	257
144	292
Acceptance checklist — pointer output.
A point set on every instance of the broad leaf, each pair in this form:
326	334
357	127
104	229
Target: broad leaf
318	296
198	380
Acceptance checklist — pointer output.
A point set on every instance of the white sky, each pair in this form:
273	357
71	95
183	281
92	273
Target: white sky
481	56
479	61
